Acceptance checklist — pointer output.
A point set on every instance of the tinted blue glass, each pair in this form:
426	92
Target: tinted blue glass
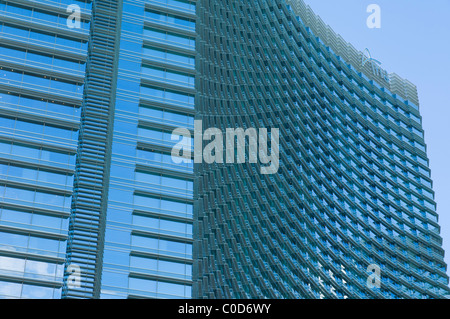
42	152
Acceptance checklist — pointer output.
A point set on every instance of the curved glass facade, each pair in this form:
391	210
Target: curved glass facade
93	205
353	191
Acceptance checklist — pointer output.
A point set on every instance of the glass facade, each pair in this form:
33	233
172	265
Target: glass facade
86	174
42	73
353	191
148	238
87	179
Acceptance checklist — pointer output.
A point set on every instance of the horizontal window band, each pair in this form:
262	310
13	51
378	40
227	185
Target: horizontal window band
154	148
171	67
36	187
167	86
42	26
57	8
40	71
30	143
167	28
177	239
164	172
166	9
34	257
164	197
158	126
31	281
60	123
44	49
40	94
168	107
40	166
165	46
31	232
163	216
170	280
28	209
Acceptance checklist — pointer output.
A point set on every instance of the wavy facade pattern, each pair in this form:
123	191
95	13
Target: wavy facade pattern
353	188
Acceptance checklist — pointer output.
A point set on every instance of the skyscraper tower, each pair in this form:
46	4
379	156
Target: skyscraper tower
93	205
42	80
353	192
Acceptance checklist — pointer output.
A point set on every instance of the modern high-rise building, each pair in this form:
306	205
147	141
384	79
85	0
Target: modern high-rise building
42	79
92	204
353	192
148	222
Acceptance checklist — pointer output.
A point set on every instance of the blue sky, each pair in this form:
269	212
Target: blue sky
414	42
